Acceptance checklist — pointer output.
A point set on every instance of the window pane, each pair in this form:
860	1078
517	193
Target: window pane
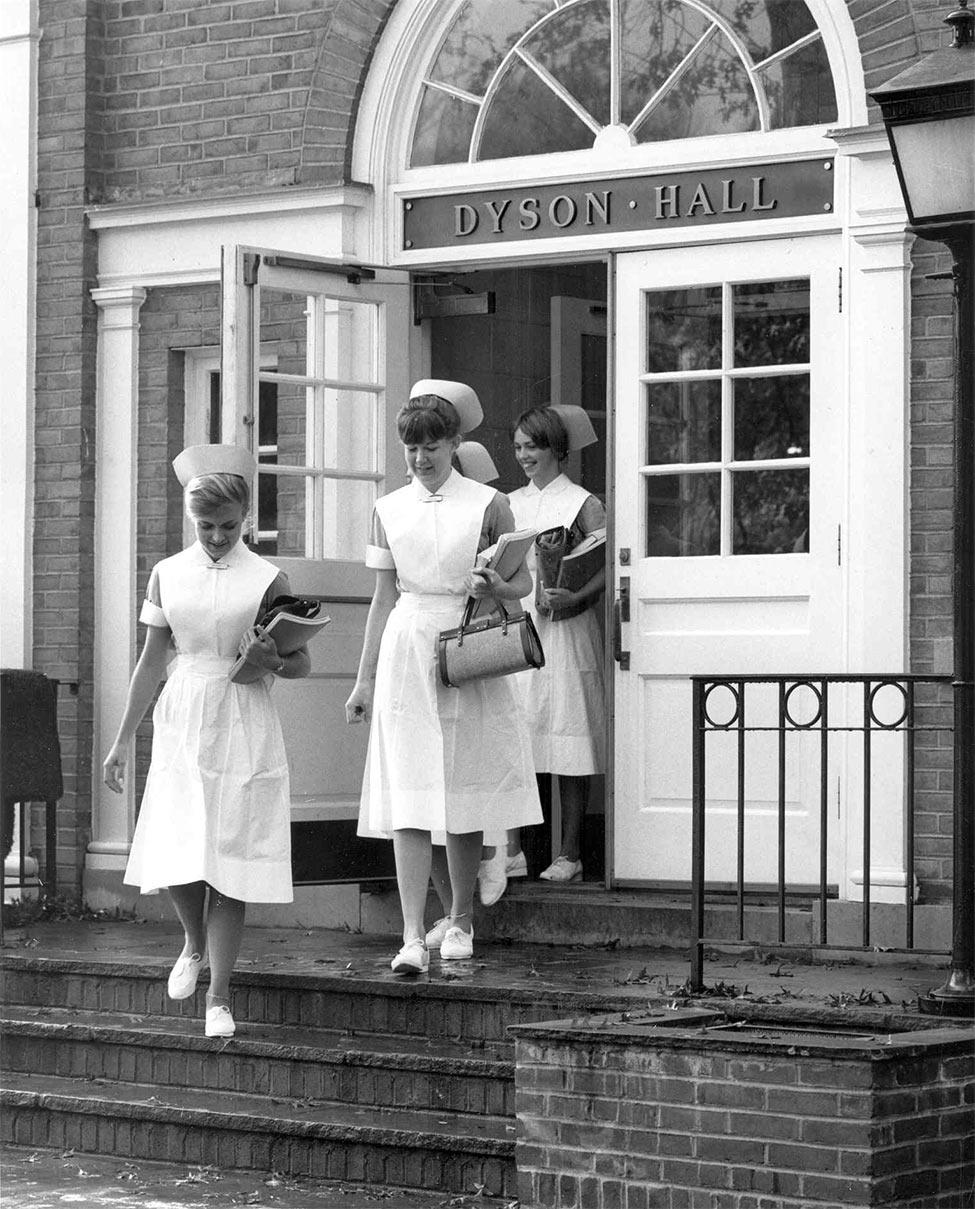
771	323
347	512
291	497
684	422
294	402
771	511
767	26
443	129
479	39
585	77
527	118
654	39
771	417
800	88
349	430
684	329
712	96
682	514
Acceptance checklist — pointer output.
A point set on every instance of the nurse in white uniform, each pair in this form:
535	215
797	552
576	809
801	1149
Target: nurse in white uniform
442	763
565	699
215	822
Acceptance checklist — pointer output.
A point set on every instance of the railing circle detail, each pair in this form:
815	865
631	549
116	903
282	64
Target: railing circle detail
871	698
816	691
736	698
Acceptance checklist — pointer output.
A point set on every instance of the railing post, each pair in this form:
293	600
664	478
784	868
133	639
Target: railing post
697	836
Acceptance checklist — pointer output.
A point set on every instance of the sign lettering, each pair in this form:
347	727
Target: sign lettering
620	204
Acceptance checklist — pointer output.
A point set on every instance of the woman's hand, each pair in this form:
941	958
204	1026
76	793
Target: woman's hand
259	649
482	582
358	708
555	599
113	770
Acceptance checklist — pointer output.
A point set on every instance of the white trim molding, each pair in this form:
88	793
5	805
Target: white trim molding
116	395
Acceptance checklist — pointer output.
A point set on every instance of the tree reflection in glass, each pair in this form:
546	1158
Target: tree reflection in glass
523	77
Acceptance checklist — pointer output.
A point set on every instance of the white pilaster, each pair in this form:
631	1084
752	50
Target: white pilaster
117	394
18	249
877	300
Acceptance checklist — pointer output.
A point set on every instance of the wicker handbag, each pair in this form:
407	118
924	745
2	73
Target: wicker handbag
491	646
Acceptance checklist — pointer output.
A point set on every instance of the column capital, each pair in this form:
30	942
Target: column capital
118	305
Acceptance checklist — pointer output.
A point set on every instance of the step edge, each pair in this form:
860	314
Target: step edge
389	1137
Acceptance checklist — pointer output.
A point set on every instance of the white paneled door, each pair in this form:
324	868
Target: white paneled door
730	495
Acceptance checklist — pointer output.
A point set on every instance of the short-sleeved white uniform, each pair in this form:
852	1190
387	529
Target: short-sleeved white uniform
217	805
565	700
440	759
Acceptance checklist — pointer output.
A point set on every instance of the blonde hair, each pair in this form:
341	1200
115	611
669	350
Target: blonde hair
208	492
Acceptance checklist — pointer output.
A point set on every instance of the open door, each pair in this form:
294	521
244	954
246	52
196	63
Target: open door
314	365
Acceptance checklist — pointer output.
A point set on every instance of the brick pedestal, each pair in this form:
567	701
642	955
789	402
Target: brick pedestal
692	1109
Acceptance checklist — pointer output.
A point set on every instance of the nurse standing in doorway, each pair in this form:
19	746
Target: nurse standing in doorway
442	763
565	698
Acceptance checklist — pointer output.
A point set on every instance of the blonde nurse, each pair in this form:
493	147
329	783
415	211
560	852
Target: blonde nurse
215	822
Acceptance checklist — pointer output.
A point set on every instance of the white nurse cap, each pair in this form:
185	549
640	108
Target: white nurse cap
476	463
463	398
578	427
214	459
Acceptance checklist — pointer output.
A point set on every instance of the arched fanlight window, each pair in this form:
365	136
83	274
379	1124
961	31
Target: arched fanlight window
525	77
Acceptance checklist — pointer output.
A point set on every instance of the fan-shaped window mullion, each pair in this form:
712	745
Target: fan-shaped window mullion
786	51
741	49
451	91
497	79
562	93
673	78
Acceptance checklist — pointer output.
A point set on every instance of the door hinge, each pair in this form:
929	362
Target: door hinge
839	545
251	264
839	289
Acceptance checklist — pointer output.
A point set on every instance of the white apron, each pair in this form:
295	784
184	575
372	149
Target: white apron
440	759
217	804
565	700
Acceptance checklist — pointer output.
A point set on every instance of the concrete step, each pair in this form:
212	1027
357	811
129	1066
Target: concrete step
438	1150
310	1065
451	1004
585	913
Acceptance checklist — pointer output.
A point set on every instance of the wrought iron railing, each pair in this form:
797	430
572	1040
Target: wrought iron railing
820	707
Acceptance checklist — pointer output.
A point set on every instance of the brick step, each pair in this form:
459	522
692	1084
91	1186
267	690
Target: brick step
280	1061
437	1150
447	1005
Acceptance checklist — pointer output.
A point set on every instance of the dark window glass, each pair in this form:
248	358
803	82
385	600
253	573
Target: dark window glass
771	512
800	89
771	323
443	131
712	95
683	422
480	38
771	417
527	118
654	39
766	26
585	76
683	515
683	329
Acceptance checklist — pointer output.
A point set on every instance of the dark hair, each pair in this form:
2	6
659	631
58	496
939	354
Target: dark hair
208	492
545	429
427	418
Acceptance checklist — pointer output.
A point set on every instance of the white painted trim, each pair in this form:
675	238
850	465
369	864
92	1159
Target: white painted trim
283	201
18	321
116	473
410	41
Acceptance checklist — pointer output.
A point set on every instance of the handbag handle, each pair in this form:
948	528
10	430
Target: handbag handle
465	621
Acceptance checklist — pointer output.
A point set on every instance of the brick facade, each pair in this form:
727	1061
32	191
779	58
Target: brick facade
627	1114
146	100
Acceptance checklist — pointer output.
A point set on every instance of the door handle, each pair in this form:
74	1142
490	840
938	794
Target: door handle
621	613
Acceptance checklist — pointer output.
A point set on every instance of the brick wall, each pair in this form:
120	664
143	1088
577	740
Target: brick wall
65	420
143	99
213	98
671	1118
